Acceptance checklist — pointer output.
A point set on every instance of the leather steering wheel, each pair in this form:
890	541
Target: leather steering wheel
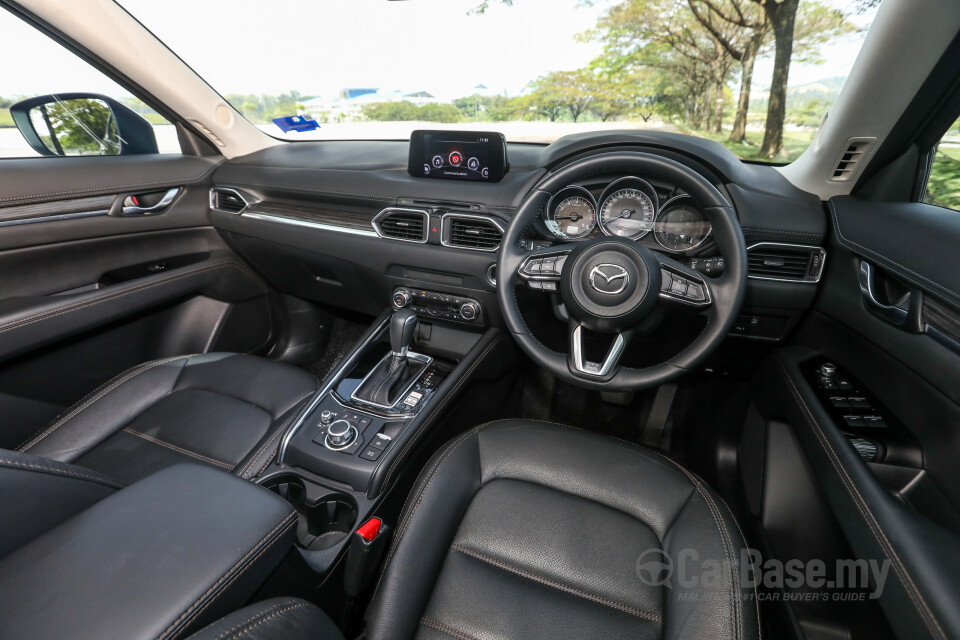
610	285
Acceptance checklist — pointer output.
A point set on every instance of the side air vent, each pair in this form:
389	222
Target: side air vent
853	158
409	225
227	200
464	231
785	262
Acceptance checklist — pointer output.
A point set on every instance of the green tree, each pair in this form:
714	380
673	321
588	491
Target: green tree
79	127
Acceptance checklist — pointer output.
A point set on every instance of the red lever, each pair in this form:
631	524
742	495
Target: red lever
370	529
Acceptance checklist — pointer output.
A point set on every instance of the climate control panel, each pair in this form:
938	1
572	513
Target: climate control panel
441	306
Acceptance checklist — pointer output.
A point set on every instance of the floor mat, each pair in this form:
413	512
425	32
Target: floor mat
546	398
343	335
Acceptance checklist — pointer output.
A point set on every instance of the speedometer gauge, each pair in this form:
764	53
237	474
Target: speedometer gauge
628	209
571	213
681	226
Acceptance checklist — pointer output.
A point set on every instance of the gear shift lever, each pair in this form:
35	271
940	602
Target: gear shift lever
403	327
396	371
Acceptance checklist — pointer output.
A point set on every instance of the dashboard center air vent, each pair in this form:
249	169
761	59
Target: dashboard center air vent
227	200
468	231
409	225
785	262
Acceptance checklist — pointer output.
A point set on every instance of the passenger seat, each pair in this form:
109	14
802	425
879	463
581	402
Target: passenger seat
224	410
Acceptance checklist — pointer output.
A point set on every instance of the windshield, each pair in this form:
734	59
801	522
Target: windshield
534	70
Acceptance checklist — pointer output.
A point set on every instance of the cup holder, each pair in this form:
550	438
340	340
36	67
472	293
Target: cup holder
326	517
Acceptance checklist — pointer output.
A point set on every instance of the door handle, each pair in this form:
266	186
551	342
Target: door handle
905	312
133	205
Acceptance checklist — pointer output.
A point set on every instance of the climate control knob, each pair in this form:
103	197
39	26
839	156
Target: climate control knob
340	435
469	310
402	299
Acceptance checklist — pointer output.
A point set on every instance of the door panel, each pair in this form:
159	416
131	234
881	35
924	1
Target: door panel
85	297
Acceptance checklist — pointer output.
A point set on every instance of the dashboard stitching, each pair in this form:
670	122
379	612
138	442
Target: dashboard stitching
884	260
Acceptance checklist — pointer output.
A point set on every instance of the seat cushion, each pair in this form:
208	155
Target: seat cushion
521	529
275	619
225	410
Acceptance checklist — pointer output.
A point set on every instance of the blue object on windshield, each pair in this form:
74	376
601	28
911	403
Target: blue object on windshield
296	123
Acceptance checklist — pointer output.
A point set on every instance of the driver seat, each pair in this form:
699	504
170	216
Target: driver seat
525	529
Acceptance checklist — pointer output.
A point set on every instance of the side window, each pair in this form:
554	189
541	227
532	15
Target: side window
53	103
943	187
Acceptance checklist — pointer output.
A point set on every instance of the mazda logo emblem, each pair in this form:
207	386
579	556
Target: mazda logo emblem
609	279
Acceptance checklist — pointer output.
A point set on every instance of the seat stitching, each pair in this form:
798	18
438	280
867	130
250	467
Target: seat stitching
861	504
652	617
442	628
252	621
236	577
756	600
62	472
396	464
96	395
187	452
52	313
736	622
282	526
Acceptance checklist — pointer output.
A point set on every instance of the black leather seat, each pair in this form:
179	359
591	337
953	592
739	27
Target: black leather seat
275	619
520	529
224	410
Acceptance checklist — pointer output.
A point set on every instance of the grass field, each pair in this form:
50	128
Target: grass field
794	143
944	186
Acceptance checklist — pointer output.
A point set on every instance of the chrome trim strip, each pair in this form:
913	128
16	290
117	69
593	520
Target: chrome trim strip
426	360
213	201
55	218
468	216
325	389
389	210
821	250
266	217
892	313
609	362
157	208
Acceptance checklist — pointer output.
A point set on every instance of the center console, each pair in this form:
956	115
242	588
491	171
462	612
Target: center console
354	438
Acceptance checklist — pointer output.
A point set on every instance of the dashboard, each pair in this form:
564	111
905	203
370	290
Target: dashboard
309	214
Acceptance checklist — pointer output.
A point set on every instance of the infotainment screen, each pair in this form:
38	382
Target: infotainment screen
458	155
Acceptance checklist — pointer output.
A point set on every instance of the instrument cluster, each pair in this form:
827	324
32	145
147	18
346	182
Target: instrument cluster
630	208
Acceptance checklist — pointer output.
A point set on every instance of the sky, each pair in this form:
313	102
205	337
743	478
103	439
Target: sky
320	47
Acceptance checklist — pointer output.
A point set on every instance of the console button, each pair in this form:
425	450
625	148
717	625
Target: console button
381	441
840	402
371	453
874	421
853	421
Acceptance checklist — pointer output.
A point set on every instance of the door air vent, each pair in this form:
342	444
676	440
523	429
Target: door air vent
227	200
853	158
467	231
785	262
409	225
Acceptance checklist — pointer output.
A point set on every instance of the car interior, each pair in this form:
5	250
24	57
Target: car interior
460	386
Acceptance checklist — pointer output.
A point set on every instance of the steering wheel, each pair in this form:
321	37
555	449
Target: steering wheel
611	285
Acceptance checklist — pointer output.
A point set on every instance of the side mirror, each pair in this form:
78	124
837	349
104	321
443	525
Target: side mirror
75	124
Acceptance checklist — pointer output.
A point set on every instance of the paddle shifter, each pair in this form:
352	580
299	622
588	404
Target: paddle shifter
394	375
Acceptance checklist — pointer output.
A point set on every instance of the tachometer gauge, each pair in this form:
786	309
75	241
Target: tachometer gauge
571	213
628	209
681	226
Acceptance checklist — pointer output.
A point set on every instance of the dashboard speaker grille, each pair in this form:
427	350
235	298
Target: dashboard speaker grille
471	232
402	224
794	263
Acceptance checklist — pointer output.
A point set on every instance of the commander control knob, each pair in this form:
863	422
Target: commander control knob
402	299
469	310
340	435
